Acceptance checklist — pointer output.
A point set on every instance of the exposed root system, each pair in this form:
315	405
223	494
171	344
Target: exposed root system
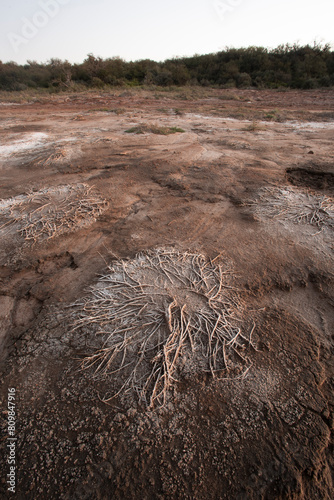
293	205
162	315
50	212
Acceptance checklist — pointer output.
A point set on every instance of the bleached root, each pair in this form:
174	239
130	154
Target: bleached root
292	205
158	313
50	212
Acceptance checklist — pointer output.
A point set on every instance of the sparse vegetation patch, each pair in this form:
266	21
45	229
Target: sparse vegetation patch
154	129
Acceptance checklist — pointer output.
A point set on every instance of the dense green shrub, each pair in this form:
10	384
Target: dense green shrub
293	66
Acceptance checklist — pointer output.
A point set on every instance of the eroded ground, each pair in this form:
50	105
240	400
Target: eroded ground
209	189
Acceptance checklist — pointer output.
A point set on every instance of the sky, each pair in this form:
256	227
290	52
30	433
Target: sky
38	30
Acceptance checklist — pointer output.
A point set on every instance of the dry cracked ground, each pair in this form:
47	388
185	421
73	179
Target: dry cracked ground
90	179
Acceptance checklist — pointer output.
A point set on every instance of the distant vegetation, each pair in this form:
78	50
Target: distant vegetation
154	129
292	66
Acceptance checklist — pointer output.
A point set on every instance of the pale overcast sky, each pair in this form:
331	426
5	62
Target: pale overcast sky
155	29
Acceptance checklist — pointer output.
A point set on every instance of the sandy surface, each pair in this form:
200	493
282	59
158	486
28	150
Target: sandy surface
209	190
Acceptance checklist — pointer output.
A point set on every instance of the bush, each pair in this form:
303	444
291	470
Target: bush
311	83
290	66
243	80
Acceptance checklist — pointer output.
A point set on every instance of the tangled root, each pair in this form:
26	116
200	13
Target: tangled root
161	315
292	205
50	212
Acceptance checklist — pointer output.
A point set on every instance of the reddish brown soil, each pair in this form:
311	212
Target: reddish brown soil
267	436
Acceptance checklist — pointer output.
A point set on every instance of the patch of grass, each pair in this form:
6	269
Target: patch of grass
175	130
270	116
240	114
102	110
118	111
153	129
254	127
30	95
229	97
24	96
273	115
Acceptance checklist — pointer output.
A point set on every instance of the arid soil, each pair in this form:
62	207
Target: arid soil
251	178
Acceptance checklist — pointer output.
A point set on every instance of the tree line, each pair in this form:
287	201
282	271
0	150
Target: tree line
291	66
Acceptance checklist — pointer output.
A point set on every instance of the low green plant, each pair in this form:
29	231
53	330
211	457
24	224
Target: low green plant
102	110
229	97
118	111
153	129
254	127
272	115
